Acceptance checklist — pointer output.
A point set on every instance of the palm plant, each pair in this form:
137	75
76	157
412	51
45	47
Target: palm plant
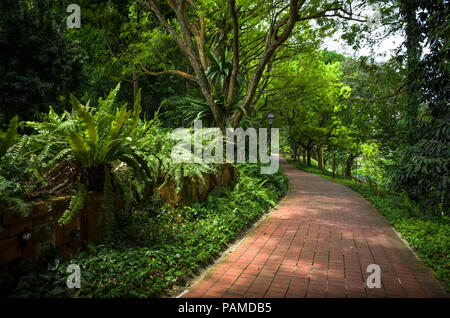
194	106
94	141
220	72
220	69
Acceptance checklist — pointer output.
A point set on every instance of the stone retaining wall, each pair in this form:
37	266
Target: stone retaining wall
195	190
30	238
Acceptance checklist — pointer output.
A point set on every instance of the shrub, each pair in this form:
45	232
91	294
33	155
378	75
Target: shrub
95	141
155	250
12	172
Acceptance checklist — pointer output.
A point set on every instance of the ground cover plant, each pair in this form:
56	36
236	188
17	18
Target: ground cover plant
158	247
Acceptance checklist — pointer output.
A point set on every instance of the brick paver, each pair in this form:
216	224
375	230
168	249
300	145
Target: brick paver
318	243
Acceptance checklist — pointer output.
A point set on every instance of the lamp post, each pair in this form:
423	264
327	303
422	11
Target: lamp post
270	118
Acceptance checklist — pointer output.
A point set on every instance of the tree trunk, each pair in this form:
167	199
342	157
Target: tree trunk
308	155
135	86
333	165
320	161
348	170
273	41
304	156
408	9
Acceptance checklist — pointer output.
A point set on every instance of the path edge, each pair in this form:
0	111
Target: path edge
180	291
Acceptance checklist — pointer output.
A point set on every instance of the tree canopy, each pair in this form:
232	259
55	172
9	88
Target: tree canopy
232	62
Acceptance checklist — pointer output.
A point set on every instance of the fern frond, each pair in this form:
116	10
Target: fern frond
107	106
79	148
75	205
8	138
88	121
119	122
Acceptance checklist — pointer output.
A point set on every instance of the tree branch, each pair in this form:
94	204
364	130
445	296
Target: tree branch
235	70
151	6
269	50
173	72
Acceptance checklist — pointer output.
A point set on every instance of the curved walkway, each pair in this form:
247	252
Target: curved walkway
318	243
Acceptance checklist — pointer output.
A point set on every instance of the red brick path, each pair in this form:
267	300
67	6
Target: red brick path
318	243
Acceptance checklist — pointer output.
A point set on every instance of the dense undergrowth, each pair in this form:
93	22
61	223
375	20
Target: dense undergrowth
103	147
428	234
159	247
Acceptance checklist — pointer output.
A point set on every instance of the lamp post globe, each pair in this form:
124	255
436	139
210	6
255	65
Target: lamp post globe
270	118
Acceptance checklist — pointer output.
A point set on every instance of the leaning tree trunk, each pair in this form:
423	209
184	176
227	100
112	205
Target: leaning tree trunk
308	155
348	169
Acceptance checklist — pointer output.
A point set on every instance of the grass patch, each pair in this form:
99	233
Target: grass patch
427	234
158	247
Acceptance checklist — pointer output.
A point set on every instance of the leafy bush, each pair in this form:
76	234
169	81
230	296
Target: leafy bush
423	171
156	250
105	148
94	142
12	172
10	136
163	143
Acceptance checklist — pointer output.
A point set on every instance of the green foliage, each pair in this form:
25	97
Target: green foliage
423	157
94	141
10	136
371	166
163	143
392	118
11	196
155	250
424	168
118	37
314	102
190	108
13	171
38	63
75	205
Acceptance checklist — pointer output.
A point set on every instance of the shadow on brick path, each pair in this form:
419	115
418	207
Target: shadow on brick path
318	243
